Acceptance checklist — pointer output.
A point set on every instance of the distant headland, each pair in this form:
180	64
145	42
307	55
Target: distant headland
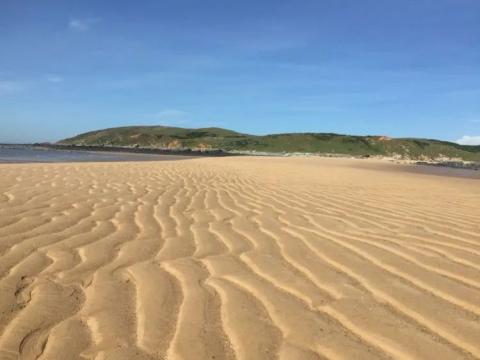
218	141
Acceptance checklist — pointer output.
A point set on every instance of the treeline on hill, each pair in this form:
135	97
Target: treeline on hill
228	140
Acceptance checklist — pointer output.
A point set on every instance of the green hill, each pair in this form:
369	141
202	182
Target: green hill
217	138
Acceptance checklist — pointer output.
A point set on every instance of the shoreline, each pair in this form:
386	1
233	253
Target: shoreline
136	150
447	163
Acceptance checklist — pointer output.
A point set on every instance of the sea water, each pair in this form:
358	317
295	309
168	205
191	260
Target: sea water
24	154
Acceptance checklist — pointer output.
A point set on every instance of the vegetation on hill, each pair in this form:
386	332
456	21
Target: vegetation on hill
217	138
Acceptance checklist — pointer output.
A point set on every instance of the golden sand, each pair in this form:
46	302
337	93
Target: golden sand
246	258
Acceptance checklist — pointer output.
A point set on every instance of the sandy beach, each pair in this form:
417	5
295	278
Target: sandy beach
238	258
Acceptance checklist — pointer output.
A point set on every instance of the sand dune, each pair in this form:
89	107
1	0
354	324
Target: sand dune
237	258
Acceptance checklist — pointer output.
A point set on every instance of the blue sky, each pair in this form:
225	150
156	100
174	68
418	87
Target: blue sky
388	67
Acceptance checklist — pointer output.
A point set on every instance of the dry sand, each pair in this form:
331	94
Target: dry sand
247	258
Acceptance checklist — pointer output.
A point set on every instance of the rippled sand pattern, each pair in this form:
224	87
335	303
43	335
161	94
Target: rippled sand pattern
237	258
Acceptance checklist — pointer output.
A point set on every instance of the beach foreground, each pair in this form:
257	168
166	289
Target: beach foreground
247	258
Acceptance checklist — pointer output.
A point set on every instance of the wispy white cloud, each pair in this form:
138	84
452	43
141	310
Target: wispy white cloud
82	24
8	87
474	121
54	78
469	140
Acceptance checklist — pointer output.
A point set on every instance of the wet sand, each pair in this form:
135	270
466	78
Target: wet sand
435	170
246	258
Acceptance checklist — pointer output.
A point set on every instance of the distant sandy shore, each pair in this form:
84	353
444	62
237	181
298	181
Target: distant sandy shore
238	258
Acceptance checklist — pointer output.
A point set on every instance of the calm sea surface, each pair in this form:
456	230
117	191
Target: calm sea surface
30	154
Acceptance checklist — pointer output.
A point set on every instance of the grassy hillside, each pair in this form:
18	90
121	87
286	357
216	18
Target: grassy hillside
217	138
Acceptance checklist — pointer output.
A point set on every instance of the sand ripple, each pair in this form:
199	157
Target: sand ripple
237	258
